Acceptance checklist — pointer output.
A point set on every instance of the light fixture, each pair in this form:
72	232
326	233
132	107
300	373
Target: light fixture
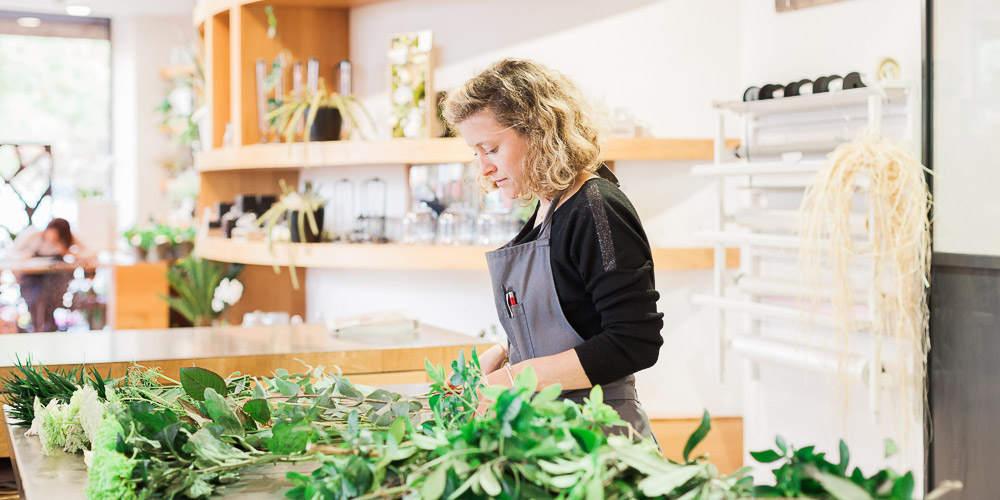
29	22
78	10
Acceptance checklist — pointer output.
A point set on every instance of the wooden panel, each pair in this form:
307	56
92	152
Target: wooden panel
410	377
217	65
419	151
306	32
208	8
394	256
648	148
137	303
266	291
224	186
236	78
723	445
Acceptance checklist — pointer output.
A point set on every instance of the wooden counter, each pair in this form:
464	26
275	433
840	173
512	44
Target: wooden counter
257	351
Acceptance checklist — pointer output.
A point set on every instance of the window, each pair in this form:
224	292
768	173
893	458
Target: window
55	90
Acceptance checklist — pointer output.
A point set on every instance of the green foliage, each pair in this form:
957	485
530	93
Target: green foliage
27	381
306	103
195	281
196	380
528	445
808	474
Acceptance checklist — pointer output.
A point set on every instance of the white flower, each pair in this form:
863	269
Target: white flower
402	95
161	239
135	240
293	201
281	233
227	293
404	75
414	123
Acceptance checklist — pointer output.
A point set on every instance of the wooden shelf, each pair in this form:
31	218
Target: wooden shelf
406	257
171	72
418	152
208	8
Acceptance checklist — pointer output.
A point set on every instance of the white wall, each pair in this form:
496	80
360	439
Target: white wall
966	125
140	48
852	35
663	61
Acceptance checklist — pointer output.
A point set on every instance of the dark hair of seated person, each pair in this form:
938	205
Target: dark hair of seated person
61	227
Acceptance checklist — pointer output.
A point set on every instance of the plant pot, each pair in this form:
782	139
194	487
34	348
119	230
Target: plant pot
140	254
163	251
327	125
310	236
183	249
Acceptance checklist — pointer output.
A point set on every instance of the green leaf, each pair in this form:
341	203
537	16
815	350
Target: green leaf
596	394
290	436
766	456
221	413
433	487
398	429
904	486
588	440
845	457
890	448
286	388
782	445
489	482
698	435
546	395
840	488
258	410
195	380
663	484
526	380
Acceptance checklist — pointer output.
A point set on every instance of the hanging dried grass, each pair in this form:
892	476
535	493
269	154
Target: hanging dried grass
898	246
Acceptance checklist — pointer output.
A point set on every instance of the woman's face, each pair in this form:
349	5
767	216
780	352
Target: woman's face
51	238
500	151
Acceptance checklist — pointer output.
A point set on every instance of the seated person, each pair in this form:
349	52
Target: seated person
43	291
56	240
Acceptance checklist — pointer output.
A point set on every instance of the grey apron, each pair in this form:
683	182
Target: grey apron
536	325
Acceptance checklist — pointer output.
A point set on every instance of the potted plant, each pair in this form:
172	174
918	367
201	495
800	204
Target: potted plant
324	113
303	211
205	289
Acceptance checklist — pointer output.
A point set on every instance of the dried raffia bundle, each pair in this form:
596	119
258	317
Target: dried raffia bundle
895	253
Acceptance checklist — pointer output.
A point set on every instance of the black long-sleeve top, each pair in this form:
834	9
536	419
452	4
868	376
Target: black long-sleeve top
602	267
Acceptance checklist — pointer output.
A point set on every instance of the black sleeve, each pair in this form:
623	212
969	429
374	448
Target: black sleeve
609	249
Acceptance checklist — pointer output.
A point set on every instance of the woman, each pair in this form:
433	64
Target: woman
574	289
43	291
56	240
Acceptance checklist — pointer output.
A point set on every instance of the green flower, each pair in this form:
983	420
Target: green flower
109	476
52	426
106	437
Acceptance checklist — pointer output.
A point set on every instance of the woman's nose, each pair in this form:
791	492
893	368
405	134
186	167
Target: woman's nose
486	167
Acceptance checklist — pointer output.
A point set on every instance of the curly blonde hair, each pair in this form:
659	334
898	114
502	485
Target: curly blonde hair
546	108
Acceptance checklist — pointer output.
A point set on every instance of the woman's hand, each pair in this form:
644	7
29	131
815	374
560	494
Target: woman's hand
491	360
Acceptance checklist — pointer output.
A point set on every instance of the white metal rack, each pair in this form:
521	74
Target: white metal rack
760	227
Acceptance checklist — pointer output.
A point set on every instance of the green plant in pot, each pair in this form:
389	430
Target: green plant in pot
304	213
205	289
324	112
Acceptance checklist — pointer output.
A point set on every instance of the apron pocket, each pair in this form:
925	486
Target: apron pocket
521	334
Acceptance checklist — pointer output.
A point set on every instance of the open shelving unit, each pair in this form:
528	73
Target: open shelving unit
418	152
762	231
234	33
405	257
